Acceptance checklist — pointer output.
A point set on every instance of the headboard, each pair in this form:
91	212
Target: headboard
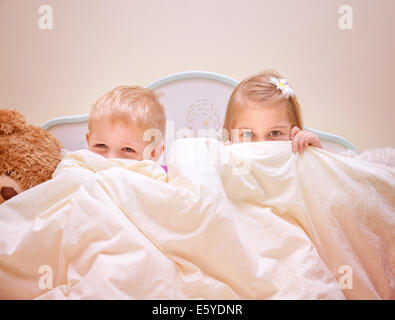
193	100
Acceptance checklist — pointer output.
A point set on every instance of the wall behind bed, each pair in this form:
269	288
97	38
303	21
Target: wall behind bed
343	78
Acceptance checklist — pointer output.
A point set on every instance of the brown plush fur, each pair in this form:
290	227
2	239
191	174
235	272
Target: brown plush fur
28	154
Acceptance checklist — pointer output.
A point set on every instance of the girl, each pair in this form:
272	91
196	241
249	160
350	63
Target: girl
264	107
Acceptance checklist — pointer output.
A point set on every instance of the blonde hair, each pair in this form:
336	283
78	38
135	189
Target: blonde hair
129	104
259	89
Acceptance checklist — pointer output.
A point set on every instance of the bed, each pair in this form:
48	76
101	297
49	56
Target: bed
245	221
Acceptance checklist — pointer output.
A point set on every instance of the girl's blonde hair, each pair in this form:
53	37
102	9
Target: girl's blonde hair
132	105
259	89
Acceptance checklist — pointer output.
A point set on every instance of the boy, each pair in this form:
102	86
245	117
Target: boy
123	121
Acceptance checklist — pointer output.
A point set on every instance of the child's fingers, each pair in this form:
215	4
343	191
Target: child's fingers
306	144
314	141
293	132
301	142
295	144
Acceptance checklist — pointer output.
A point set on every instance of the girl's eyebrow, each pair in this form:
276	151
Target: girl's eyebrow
276	127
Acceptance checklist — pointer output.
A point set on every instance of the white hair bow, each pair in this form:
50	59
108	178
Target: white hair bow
282	84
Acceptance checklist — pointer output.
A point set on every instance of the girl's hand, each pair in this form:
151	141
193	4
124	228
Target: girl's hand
301	139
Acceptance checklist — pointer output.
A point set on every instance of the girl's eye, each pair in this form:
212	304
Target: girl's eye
100	146
275	133
248	133
127	149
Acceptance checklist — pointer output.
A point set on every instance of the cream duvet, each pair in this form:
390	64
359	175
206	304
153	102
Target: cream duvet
247	221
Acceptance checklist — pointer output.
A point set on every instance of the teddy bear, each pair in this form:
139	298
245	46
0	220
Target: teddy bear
28	154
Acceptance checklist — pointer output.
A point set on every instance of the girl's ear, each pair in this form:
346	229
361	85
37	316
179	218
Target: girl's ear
87	137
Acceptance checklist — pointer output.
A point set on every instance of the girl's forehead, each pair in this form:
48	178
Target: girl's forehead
270	110
262	116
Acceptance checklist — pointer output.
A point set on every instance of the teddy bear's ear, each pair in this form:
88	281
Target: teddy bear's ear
11	121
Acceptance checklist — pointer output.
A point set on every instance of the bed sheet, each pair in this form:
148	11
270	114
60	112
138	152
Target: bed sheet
247	221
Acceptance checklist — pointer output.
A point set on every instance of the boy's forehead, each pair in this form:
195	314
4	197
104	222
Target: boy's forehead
124	130
112	124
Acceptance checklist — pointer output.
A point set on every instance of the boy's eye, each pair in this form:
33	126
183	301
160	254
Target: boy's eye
100	145
275	133
127	149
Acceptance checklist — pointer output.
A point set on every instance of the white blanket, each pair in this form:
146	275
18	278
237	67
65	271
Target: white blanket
247	221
